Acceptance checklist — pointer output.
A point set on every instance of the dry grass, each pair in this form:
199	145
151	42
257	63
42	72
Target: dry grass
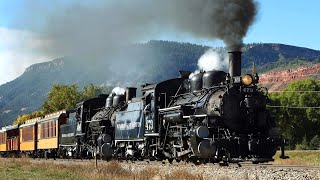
24	168
299	158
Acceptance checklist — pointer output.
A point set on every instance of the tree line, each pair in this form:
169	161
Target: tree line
64	97
297	112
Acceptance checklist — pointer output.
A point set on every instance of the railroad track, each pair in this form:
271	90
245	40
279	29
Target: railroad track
180	164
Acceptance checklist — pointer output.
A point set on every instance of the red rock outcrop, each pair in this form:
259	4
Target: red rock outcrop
277	80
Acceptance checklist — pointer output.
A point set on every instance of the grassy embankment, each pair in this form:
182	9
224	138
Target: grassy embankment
299	158
23	168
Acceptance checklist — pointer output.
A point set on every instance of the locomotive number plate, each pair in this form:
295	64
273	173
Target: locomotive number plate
247	90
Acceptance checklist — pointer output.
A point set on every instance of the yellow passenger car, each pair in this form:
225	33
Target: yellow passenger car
3	138
28	137
12	138
48	131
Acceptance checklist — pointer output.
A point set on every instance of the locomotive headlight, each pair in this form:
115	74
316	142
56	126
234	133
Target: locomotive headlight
247	79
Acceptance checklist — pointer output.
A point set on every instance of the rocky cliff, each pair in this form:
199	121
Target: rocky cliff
277	80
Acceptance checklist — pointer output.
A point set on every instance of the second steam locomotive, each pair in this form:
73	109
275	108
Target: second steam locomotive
213	116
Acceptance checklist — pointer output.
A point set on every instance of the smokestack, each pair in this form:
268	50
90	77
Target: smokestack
130	93
235	63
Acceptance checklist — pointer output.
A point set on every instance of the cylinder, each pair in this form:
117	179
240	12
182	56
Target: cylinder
235	63
130	93
211	78
196	82
206	149
117	99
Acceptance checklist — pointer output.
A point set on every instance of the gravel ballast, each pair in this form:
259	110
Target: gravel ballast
231	172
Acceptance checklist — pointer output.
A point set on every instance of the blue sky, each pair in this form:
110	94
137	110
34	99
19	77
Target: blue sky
279	21
287	21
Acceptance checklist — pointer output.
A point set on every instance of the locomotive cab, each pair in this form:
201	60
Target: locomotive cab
86	110
74	127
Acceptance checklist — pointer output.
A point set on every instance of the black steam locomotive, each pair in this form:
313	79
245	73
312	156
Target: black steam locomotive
213	116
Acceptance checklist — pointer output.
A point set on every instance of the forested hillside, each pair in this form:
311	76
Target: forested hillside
132	66
269	56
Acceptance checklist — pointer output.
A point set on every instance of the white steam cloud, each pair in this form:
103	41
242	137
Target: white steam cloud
118	91
212	59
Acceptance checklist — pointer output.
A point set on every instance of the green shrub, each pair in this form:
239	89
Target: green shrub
314	143
304	145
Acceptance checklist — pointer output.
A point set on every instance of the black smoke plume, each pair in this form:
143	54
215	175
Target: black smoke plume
94	31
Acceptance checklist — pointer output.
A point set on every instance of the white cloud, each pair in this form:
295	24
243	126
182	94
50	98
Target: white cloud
18	50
